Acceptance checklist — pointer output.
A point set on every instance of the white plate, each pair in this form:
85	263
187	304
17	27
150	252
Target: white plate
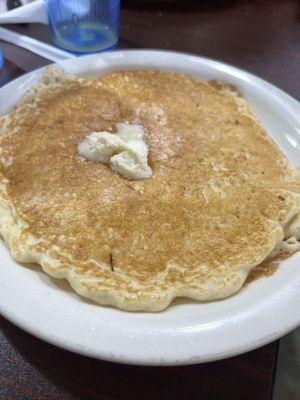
187	332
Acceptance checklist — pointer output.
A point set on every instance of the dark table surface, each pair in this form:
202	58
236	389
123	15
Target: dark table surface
262	37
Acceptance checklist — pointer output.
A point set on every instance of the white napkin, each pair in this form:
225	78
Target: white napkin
31	12
4	4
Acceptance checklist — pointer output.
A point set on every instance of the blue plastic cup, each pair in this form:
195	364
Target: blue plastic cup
84	26
1	59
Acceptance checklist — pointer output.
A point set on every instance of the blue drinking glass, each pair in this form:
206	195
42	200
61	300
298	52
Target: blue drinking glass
84	26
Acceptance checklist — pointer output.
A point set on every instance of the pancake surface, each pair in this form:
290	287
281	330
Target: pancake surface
221	199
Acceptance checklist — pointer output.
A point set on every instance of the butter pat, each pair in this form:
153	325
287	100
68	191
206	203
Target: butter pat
125	151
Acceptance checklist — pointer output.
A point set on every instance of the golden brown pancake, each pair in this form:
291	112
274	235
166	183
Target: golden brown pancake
220	198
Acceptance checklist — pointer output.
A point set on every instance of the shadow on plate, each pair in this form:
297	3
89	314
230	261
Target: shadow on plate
63	285
56	283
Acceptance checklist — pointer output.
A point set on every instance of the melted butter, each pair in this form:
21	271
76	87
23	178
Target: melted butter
125	152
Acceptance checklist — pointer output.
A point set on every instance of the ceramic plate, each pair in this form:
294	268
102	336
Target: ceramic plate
187	332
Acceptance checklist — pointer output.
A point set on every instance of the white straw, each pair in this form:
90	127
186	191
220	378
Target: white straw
35	46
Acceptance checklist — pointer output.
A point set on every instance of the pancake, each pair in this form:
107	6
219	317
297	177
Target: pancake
222	198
